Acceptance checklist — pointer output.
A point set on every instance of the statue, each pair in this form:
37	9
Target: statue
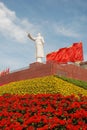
39	41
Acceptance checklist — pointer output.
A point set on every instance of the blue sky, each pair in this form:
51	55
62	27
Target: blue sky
61	23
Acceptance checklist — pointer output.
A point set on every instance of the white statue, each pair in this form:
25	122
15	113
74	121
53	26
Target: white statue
39	40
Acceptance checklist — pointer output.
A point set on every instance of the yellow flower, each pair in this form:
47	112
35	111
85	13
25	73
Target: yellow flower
48	84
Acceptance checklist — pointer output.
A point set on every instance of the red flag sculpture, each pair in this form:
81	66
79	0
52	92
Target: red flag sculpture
76	52
60	56
64	55
51	56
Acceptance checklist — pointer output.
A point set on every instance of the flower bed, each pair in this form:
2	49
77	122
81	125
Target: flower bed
43	112
48	84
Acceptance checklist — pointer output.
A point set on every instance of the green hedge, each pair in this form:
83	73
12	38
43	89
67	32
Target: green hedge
79	83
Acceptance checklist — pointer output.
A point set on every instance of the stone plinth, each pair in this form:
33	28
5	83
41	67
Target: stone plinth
39	70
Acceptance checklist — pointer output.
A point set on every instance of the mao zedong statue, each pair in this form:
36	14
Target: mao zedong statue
39	45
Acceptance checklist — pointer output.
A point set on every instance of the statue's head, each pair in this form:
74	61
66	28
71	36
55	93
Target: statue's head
38	34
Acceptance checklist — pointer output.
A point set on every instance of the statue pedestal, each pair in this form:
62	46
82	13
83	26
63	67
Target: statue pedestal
35	64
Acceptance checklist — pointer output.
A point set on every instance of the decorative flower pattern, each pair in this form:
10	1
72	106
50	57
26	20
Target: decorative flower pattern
43	112
47	103
48	84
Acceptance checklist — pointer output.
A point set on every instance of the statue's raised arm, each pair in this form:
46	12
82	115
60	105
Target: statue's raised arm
32	38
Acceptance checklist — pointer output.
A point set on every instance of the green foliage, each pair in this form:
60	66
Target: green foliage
79	83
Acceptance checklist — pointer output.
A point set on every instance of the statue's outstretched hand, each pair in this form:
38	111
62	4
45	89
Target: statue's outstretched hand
29	35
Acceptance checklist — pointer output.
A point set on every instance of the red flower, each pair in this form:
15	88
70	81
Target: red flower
43	111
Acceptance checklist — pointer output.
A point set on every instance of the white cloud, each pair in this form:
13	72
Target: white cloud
13	27
65	30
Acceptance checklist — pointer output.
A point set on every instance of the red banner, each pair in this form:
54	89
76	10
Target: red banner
76	52
51	56
64	55
60	56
